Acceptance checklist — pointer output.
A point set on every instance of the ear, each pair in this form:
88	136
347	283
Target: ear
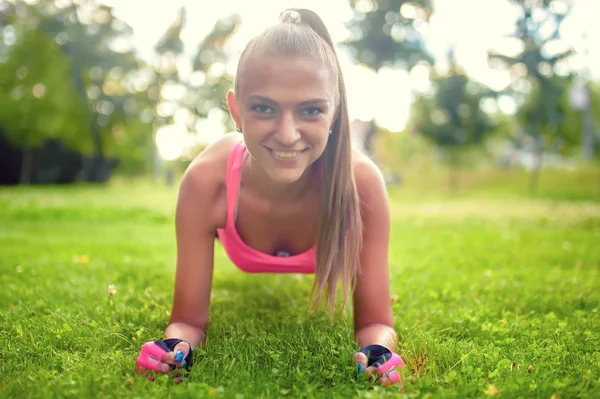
233	108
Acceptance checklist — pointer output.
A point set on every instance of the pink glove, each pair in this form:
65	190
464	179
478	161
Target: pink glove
387	362
152	352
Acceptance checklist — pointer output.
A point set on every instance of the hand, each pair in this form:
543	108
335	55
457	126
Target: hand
163	356
381	363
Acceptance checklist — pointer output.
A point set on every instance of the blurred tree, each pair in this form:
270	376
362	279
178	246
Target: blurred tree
210	62
451	117
200	92
168	53
387	33
100	66
577	121
100	63
536	84
38	99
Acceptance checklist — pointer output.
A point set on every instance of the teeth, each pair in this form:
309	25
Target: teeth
286	154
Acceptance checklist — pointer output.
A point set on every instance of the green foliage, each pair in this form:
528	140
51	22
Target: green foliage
544	109
91	101
385	32
489	294
210	60
34	80
452	117
205	90
571	125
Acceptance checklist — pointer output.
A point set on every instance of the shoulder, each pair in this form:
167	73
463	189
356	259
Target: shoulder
211	164
369	179
203	184
374	204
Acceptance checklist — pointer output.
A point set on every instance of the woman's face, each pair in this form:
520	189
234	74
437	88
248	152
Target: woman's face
285	107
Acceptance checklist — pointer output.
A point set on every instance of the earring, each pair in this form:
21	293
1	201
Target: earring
330	132
238	129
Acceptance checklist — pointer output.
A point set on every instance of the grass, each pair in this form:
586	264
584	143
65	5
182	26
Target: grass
495	294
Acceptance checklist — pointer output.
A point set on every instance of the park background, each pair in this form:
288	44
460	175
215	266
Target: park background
483	115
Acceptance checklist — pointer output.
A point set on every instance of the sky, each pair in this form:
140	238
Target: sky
471	27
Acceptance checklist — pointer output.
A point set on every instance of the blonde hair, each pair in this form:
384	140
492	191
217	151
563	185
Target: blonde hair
339	235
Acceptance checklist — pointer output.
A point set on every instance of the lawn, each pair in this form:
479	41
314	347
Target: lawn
495	295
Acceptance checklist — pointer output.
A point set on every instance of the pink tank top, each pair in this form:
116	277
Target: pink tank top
242	255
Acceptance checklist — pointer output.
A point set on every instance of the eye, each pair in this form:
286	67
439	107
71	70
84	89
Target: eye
262	109
312	111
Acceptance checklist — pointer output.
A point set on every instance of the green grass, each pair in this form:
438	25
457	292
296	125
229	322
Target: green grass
492	291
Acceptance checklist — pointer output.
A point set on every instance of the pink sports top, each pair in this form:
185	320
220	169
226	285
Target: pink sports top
242	255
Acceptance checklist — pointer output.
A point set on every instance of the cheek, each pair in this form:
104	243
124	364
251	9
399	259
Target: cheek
319	132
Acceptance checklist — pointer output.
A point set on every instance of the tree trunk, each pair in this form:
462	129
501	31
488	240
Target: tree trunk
534	175
26	166
588	140
92	170
454	169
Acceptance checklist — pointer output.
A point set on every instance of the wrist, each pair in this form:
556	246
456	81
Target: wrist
377	334
193	335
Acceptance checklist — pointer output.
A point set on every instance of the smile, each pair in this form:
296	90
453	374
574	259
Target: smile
287	155
282	154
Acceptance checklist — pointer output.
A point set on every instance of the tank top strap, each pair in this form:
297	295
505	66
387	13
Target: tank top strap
234	169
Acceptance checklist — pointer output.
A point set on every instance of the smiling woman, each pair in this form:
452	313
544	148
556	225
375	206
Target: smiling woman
286	112
287	195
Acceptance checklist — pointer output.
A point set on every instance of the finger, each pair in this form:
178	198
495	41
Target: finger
164	368
178	377
361	361
149	357
177	356
181	351
373	371
390	378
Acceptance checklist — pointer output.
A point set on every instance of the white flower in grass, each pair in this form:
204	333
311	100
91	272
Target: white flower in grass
112	290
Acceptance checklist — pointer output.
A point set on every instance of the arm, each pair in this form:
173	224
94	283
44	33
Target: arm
195	249
373	320
201	208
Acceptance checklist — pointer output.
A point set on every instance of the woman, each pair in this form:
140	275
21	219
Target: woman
286	195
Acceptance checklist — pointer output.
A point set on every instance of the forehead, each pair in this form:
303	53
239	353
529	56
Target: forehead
286	78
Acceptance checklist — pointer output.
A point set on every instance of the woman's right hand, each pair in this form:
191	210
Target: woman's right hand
164	356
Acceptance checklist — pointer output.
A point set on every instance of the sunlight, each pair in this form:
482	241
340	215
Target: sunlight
384	96
171	141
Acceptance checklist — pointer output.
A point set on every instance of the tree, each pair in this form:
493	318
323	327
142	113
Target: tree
451	117
210	60
205	89
88	32
101	72
38	99
386	33
542	91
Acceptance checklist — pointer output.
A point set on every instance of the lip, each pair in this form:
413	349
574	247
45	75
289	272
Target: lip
286	160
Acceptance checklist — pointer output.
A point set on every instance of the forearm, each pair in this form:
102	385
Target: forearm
379	334
193	334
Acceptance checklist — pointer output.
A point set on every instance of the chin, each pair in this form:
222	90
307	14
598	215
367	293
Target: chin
285	176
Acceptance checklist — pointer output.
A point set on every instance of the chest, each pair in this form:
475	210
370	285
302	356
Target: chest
273	227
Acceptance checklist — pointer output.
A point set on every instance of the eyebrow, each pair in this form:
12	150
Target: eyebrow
303	103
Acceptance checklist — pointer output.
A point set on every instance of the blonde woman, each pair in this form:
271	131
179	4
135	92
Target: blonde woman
285	195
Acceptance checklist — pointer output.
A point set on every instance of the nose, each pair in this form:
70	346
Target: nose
287	132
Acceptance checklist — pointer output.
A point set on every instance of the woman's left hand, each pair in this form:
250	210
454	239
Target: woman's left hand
381	363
